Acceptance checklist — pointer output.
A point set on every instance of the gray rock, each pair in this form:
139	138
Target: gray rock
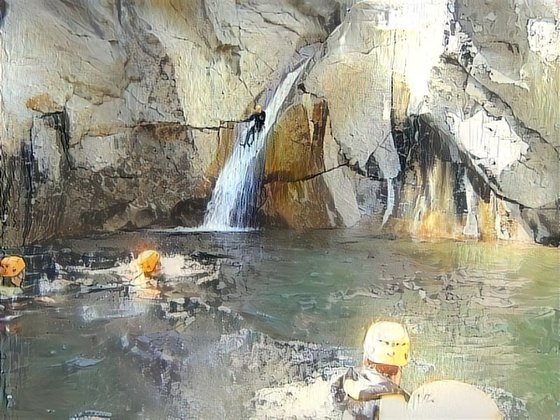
81	362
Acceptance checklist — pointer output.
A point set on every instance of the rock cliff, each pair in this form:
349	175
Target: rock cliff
443	114
430	118
114	113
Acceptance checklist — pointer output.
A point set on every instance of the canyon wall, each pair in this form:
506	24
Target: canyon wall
424	118
116	114
443	118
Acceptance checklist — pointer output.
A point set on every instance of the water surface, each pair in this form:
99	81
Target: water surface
487	314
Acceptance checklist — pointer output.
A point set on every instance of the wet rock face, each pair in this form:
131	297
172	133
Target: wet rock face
306	177
117	120
484	162
147	176
113	182
516	57
505	72
118	115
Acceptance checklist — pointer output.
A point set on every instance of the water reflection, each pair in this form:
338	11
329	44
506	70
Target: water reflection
487	314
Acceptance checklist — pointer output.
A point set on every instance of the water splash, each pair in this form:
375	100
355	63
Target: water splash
235	198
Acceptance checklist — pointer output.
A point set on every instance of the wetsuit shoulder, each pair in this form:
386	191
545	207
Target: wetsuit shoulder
365	384
251	118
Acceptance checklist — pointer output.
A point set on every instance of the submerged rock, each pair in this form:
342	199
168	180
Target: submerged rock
161	356
296	400
81	363
215	364
92	415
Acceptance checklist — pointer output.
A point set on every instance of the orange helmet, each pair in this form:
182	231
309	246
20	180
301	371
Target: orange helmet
149	262
14	268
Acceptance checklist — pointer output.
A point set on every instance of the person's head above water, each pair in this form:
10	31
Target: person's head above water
149	262
258	109
387	343
13	267
387	349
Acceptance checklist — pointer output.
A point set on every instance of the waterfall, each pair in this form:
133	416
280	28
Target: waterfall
235	198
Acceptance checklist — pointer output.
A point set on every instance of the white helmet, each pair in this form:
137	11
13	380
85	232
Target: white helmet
387	343
451	400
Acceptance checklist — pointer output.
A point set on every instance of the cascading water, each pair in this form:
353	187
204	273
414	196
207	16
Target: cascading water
235	197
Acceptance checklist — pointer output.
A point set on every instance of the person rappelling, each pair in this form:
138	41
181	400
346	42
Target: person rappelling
258	116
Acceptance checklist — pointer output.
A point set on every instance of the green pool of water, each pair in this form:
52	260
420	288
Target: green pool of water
487	314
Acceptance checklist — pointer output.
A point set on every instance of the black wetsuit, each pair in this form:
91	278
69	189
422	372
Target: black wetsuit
373	387
259	118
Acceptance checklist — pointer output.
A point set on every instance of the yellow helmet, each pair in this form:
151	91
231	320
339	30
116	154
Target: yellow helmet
14	268
148	262
387	343
258	108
